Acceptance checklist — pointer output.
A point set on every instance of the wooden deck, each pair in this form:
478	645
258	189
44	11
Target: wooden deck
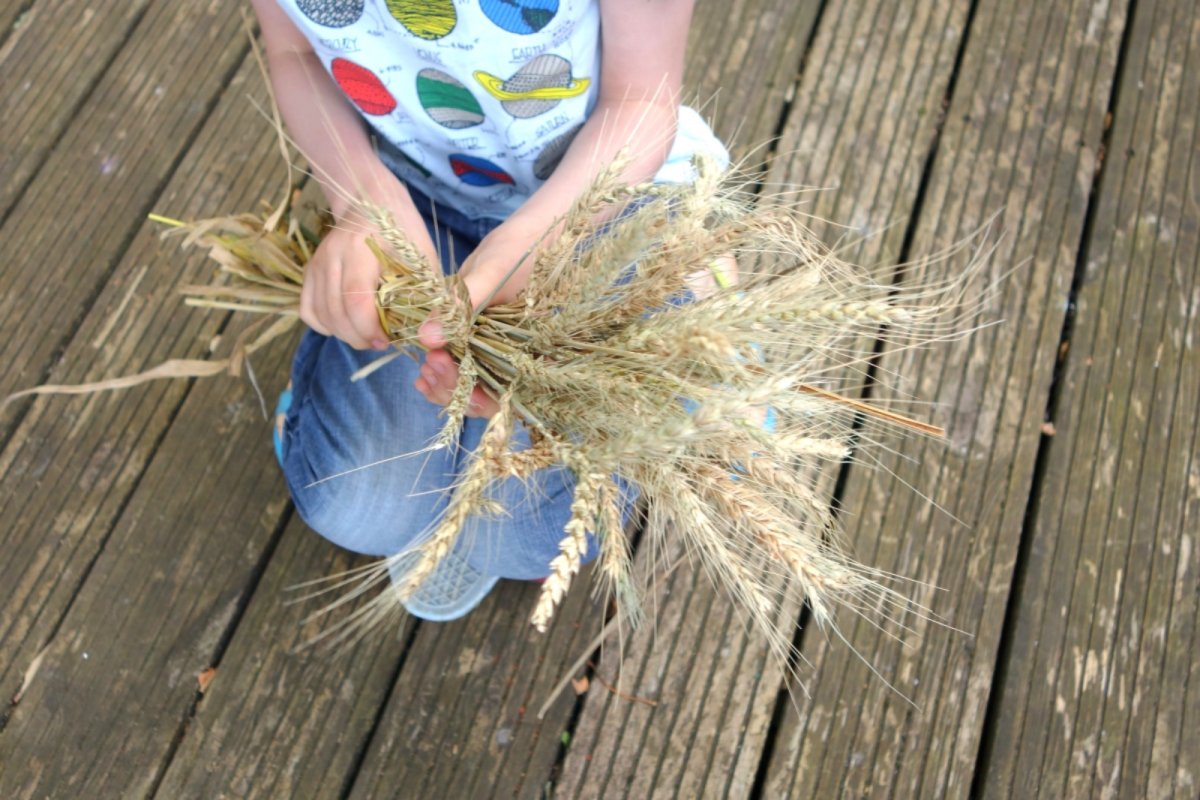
148	537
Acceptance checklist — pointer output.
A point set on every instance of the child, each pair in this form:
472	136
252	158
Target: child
489	117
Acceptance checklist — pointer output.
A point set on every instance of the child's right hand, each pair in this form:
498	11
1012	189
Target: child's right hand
338	295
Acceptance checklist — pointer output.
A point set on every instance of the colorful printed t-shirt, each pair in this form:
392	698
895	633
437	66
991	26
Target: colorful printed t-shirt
476	100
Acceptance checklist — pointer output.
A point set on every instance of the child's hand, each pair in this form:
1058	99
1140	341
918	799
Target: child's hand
486	269
439	375
338	295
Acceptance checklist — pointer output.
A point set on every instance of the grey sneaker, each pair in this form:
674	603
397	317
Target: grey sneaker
451	591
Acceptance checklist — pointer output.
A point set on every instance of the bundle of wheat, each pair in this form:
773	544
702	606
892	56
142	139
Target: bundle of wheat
719	406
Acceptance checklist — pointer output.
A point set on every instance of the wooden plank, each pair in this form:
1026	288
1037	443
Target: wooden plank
48	65
1022	135
462	720
875	83
60	243
588	768
279	721
269	765
1104	636
1167	737
879	70
72	464
14	15
709	680
118	680
742	68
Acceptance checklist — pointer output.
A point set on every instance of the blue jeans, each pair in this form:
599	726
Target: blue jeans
351	452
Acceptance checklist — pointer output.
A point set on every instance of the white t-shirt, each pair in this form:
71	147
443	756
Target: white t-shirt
480	97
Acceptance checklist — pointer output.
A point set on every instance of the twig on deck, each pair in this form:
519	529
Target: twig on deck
618	692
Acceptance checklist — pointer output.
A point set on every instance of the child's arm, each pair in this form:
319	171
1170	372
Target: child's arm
641	71
338	297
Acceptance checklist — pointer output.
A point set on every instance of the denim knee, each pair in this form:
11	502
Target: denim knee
363	498
370	516
328	510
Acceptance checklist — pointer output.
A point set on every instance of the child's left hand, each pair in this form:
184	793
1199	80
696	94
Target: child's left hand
439	376
488	267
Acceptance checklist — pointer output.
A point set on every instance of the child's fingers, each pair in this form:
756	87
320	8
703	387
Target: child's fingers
321	300
358	302
479	286
429	391
720	274
443	370
481	405
313	308
338	295
336	315
484	285
308	304
441	363
439	374
438	387
438	379
430	334
436	391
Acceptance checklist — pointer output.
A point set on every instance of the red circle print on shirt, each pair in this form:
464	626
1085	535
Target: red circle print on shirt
361	86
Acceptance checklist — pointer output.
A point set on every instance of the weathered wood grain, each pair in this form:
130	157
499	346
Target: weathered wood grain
14	15
864	120
702	681
1021	137
1104	633
1187	761
874	84
278	720
69	468
117	681
742	68
462	719
48	65
61	241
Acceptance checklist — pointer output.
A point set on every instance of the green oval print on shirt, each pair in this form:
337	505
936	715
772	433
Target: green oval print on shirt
448	102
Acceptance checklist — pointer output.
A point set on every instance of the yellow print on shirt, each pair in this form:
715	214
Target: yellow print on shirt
536	87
